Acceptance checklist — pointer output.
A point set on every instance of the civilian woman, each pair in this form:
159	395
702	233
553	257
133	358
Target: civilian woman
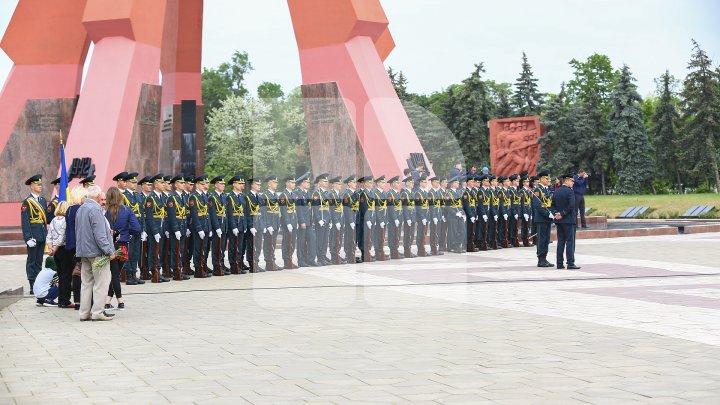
77	197
123	223
63	258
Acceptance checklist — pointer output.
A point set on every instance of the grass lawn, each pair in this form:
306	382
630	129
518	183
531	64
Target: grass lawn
662	206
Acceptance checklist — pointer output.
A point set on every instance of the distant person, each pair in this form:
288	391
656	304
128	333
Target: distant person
579	189
563	207
93	240
473	170
485	170
456	171
46	284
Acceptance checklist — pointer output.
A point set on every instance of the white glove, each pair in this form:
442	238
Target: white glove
187	233
458	214
143	236
218	233
253	231
167	234
435	221
337	226
527	217
177	235
211	233
485	218
464	218
236	232
289	227
424	221
516	216
271	229
443	218
31	243
409	222
472	219
369	224
321	223
397	222
505	216
352	225
551	216
157	237
201	234
382	225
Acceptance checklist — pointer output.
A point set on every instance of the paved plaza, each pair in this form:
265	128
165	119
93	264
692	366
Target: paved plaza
639	323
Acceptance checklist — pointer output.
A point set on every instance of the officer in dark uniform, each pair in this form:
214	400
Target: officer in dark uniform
503	212
455	216
534	181
154	216
543	217
254	223
351	210
165	247
33	219
306	249
516	210
436	215
335	234
135	200
525	210
367	217
289	221
52	205
321	218
88	181
409	216
235	210
198	203
395	218
218	225
188	249
483	209
177	227
270	209
380	219
422	214
493	229
470	208
443	228
145	190
563	205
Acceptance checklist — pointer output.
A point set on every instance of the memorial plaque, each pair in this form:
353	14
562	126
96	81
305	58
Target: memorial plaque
143	153
514	145
333	142
34	146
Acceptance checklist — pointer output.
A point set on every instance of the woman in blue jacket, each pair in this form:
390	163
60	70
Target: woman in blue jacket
123	223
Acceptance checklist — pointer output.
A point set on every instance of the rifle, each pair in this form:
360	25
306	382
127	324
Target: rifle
166	259
338	239
178	272
143	261
219	271
238	255
517	228
156	274
201	260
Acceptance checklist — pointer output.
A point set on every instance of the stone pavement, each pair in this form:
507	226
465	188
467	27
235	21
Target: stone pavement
637	324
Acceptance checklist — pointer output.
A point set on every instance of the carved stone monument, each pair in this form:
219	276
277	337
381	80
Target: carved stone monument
514	145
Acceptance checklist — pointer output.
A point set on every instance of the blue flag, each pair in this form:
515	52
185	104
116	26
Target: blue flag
62	195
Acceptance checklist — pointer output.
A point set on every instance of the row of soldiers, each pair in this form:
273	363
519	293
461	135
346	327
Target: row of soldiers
183	222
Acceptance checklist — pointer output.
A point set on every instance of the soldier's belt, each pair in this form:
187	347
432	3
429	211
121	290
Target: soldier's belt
274	211
37	221
339	209
324	209
506	204
158	216
455	205
255	214
291	210
398	208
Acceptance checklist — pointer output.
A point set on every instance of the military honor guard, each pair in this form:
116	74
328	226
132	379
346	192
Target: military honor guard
198	204
254	223
33	219
235	206
52	204
436	215
366	217
395	217
289	221
543	217
351	211
188	249
135	200
380	218
443	231
484	202
154	213
455	215
526	211
409	216
335	235
469	206
270	210
177	228
493	230
422	215
306	248
218	225
321	218
565	215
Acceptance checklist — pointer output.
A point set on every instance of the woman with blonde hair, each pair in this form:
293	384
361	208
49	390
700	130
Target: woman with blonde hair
123	223
77	197
63	258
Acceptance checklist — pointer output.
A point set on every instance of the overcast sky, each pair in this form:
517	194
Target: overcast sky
438	41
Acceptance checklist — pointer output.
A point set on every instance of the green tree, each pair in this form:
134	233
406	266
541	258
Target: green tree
701	116
665	120
500	93
270	91
595	142
593	78
527	99
632	154
226	80
399	82
557	149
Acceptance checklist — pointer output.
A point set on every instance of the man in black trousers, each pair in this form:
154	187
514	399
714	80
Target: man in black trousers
542	217
563	205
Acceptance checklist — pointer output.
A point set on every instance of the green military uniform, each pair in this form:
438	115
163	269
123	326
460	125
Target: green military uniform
33	219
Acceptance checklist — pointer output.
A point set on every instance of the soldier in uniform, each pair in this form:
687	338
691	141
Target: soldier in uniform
422	214
52	205
351	210
525	210
177	227
409	216
516	209
146	188
289	221
380	219
456	216
470	209
33	219
254	222
218	225
188	248
543	217
335	233
88	181
135	201
165	247
436	215
321	218
443	229
563	205
395	218
503	212
198	203
235	209
367	217
306	249
154	216
270	209
493	230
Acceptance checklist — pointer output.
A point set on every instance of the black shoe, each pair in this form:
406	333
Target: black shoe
358	260
121	306
343	261
278	268
244	271
573	267
585	227
139	281
164	280
244	267
186	277
560	267
227	272
130	281
109	307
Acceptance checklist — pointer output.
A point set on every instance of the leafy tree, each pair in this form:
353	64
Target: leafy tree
270	91
593	78
527	100
500	93
665	120
632	154
225	80
701	115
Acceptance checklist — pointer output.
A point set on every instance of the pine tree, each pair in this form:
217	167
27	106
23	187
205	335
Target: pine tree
527	99
556	141
595	143
701	114
399	82
472	107
633	154
665	135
